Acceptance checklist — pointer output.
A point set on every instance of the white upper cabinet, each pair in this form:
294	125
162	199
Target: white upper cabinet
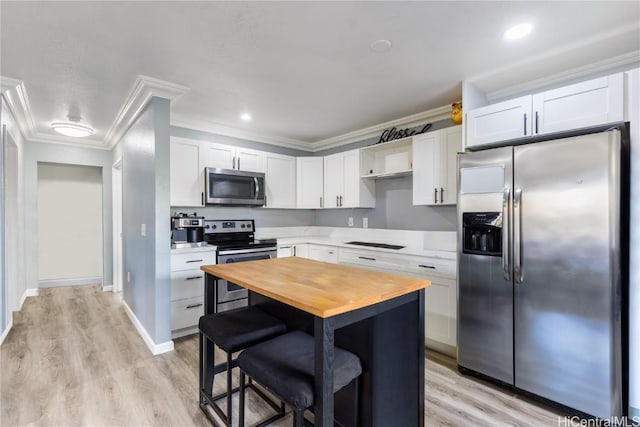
585	104
186	175
214	155
309	182
280	180
499	122
590	103
343	187
434	166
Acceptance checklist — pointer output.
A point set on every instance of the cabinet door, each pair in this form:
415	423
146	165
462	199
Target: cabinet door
323	253
280	181
499	122
351	176
250	160
215	155
450	145
285	251
186	176
301	250
332	180
440	311
309	183
589	103
426	168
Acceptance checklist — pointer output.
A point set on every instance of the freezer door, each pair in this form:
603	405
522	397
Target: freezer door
485	289
567	271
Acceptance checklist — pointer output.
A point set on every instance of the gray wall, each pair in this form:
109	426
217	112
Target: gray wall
394	202
3	284
145	200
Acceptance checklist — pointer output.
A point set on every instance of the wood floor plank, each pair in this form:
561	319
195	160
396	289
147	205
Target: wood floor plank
73	358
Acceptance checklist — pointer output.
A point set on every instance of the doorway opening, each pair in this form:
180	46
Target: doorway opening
117	226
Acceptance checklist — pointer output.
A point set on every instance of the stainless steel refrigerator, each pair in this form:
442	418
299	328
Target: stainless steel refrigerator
542	232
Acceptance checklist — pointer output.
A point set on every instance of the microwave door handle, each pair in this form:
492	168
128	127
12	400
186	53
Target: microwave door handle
257	186
506	223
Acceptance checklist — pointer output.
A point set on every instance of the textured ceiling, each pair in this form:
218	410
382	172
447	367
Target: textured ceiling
304	70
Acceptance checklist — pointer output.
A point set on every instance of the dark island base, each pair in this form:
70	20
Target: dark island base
389	339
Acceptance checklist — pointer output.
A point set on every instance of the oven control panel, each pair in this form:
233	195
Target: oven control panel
228	226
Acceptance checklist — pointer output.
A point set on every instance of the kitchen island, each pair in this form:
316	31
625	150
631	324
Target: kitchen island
378	316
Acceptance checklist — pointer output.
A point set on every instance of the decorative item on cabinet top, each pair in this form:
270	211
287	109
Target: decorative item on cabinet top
456	112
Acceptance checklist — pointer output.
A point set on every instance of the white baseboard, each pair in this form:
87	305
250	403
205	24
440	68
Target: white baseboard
32	292
80	281
107	288
6	330
155	349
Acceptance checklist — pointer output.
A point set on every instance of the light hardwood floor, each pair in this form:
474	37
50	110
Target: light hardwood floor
73	358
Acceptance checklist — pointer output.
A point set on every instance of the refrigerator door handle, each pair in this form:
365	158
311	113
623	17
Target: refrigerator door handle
506	196
517	236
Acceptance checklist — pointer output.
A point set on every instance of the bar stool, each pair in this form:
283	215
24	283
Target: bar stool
233	331
285	366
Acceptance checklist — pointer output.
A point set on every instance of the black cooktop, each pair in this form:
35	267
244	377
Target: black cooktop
376	245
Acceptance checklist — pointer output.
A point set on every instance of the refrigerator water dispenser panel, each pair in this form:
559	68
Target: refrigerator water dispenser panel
482	233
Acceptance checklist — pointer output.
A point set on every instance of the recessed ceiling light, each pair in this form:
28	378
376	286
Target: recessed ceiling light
72	129
518	31
246	117
381	45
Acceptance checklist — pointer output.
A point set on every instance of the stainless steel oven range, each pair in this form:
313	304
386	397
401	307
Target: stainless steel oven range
235	242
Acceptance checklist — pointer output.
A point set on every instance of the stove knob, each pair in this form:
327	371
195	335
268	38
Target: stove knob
242	226
214	226
207	227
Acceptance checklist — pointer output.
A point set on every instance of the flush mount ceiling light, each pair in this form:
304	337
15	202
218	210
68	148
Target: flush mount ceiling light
381	45
72	129
245	117
518	31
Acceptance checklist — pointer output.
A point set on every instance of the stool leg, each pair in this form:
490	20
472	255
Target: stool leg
241	404
298	417
201	368
229	388
356	402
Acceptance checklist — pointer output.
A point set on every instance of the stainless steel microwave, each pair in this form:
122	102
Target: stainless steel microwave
229	187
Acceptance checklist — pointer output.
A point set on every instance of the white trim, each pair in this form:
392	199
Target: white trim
31	292
108	288
6	330
116	221
218	129
155	349
607	66
142	91
434	114
79	281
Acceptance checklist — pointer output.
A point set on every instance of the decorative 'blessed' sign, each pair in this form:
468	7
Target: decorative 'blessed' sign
393	133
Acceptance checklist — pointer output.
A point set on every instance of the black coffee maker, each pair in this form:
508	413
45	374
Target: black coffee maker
187	231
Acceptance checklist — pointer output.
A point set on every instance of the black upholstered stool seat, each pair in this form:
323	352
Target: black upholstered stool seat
232	331
285	366
238	329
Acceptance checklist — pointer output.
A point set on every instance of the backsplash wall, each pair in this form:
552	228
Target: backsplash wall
264	217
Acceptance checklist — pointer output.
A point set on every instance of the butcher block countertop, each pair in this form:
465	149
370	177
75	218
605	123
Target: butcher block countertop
319	288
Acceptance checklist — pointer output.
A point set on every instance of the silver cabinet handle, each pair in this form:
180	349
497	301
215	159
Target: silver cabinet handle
238	162
193	277
234	163
435	195
202	198
427	266
340	201
194	260
517	236
194	305
294	251
525	124
330	252
536	122
506	196
441	195
367	258
337	201
284	247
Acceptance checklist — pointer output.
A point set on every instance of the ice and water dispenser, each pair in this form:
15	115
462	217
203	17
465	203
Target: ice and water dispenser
482	233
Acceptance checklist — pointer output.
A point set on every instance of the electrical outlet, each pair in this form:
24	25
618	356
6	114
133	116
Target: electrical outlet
350	221
143	230
128	277
365	222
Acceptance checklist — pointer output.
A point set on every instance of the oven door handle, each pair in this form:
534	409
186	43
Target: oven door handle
246	251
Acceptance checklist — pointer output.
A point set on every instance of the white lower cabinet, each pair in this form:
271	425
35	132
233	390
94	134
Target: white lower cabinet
293	249
440	297
187	289
323	253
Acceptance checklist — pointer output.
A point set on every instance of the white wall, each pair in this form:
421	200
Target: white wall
69	222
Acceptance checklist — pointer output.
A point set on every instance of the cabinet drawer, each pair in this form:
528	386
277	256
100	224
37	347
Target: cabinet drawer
369	259
432	267
187	284
191	260
186	313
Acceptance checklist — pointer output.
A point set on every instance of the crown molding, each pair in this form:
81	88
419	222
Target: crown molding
434	114
218	129
607	66
142	91
15	95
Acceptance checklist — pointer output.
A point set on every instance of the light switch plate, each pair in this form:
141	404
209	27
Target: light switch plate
143	230
350	221
365	222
